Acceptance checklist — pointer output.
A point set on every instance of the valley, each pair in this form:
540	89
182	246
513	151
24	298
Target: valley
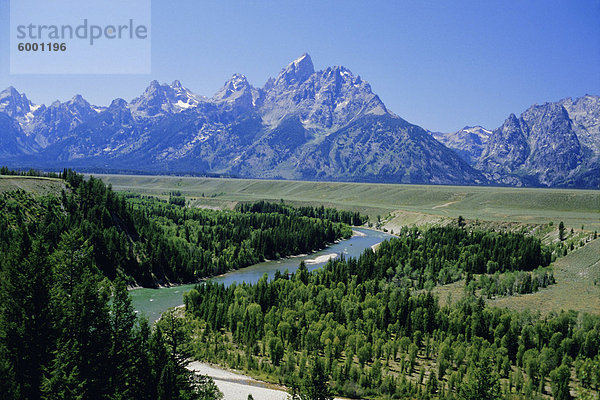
193	207
406	204
371	323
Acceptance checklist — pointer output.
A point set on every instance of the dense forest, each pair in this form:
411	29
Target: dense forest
68	333
154	241
365	327
360	325
67	326
207	242
348	217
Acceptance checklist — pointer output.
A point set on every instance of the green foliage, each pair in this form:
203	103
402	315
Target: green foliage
151	241
346	217
26	321
177	199
192	243
516	282
315	384
560	382
363	323
67	333
4	170
276	350
482	384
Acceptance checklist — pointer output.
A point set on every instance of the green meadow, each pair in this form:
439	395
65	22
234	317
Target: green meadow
535	206
32	184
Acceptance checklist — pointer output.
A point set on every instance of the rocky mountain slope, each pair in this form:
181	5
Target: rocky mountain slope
553	144
468	142
302	124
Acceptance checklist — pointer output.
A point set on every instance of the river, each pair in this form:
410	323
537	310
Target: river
235	386
153	302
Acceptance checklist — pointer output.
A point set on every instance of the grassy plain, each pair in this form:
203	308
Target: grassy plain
577	285
577	274
33	184
405	203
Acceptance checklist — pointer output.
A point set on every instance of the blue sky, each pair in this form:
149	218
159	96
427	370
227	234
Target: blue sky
438	64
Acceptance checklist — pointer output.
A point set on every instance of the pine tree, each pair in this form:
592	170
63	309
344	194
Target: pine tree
25	320
432	383
81	365
561	231
123	342
483	383
167	385
315	385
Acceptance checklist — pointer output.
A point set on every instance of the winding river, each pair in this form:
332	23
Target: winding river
153	302
235	386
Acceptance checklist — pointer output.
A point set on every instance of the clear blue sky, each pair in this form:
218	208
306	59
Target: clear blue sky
438	64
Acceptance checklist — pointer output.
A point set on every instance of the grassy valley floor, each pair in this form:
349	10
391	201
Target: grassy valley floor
405	202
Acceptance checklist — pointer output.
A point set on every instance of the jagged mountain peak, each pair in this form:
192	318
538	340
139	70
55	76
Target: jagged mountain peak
9	92
79	101
15	104
304	124
585	114
320	100
161	99
118	103
296	72
238	93
155	87
543	146
467	142
236	83
471	128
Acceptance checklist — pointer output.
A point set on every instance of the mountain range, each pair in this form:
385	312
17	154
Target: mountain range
302	124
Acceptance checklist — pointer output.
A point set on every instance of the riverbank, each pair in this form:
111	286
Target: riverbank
236	386
153	302
321	259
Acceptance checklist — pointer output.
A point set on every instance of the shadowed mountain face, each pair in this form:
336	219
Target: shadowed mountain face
303	124
554	144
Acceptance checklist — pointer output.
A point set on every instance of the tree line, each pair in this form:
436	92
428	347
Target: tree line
154	241
347	217
4	170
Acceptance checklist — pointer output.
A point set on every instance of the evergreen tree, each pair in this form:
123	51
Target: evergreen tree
561	231
26	332
168	389
315	385
432	383
482	384
81	366
123	355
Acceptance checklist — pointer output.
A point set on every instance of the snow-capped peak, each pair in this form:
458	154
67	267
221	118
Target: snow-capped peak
160	99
